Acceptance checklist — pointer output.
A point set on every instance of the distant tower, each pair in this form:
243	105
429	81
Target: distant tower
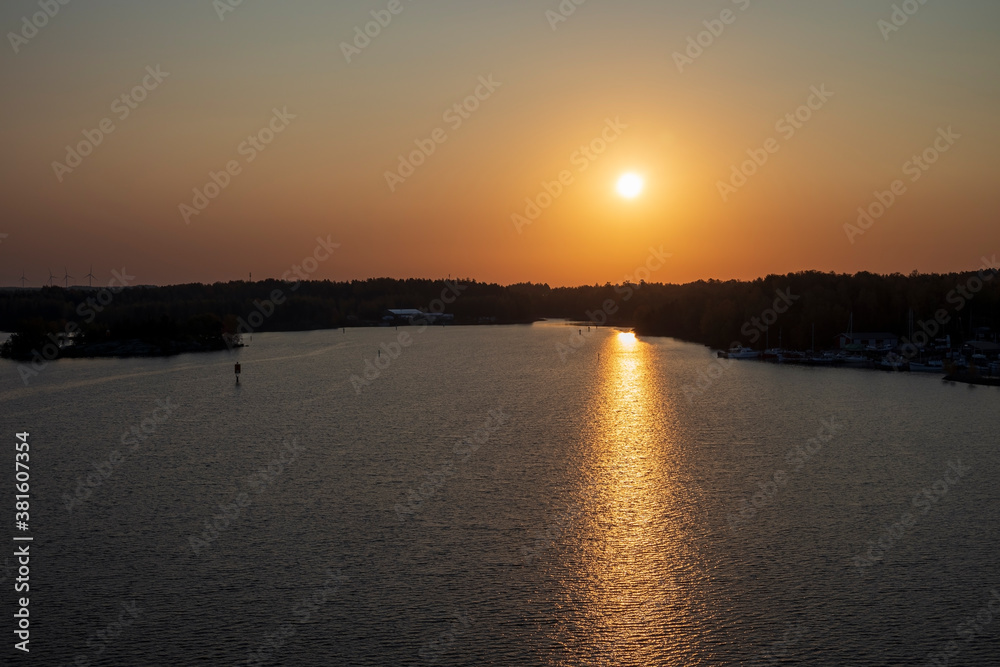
90	277
23	280
66	277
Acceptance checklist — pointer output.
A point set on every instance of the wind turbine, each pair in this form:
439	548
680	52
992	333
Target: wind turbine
52	277
23	279
90	277
67	277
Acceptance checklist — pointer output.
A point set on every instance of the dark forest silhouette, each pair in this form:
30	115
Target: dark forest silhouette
715	313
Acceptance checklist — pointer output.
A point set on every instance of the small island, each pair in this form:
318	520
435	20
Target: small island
37	339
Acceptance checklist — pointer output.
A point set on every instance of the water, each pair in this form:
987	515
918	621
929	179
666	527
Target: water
484	501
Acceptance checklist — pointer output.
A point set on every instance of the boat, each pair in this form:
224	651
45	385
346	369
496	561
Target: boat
791	357
854	361
741	352
927	367
773	354
891	362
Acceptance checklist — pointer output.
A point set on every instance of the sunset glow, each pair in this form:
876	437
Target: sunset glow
503	152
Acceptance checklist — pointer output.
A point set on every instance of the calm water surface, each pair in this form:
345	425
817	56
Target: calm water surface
504	496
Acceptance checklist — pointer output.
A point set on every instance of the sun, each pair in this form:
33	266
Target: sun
630	185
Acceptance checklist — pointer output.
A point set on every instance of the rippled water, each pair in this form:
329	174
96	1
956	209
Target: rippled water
505	496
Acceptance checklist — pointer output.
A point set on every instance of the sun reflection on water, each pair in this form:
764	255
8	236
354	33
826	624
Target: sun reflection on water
632	551
627	339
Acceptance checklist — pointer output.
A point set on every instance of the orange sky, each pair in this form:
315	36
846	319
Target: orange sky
556	86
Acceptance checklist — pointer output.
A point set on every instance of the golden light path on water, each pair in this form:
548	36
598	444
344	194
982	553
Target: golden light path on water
632	548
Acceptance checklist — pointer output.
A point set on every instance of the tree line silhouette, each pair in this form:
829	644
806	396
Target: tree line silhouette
713	312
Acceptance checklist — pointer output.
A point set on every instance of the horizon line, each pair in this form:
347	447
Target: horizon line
987	266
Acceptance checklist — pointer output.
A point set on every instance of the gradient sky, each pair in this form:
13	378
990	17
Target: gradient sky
324	175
